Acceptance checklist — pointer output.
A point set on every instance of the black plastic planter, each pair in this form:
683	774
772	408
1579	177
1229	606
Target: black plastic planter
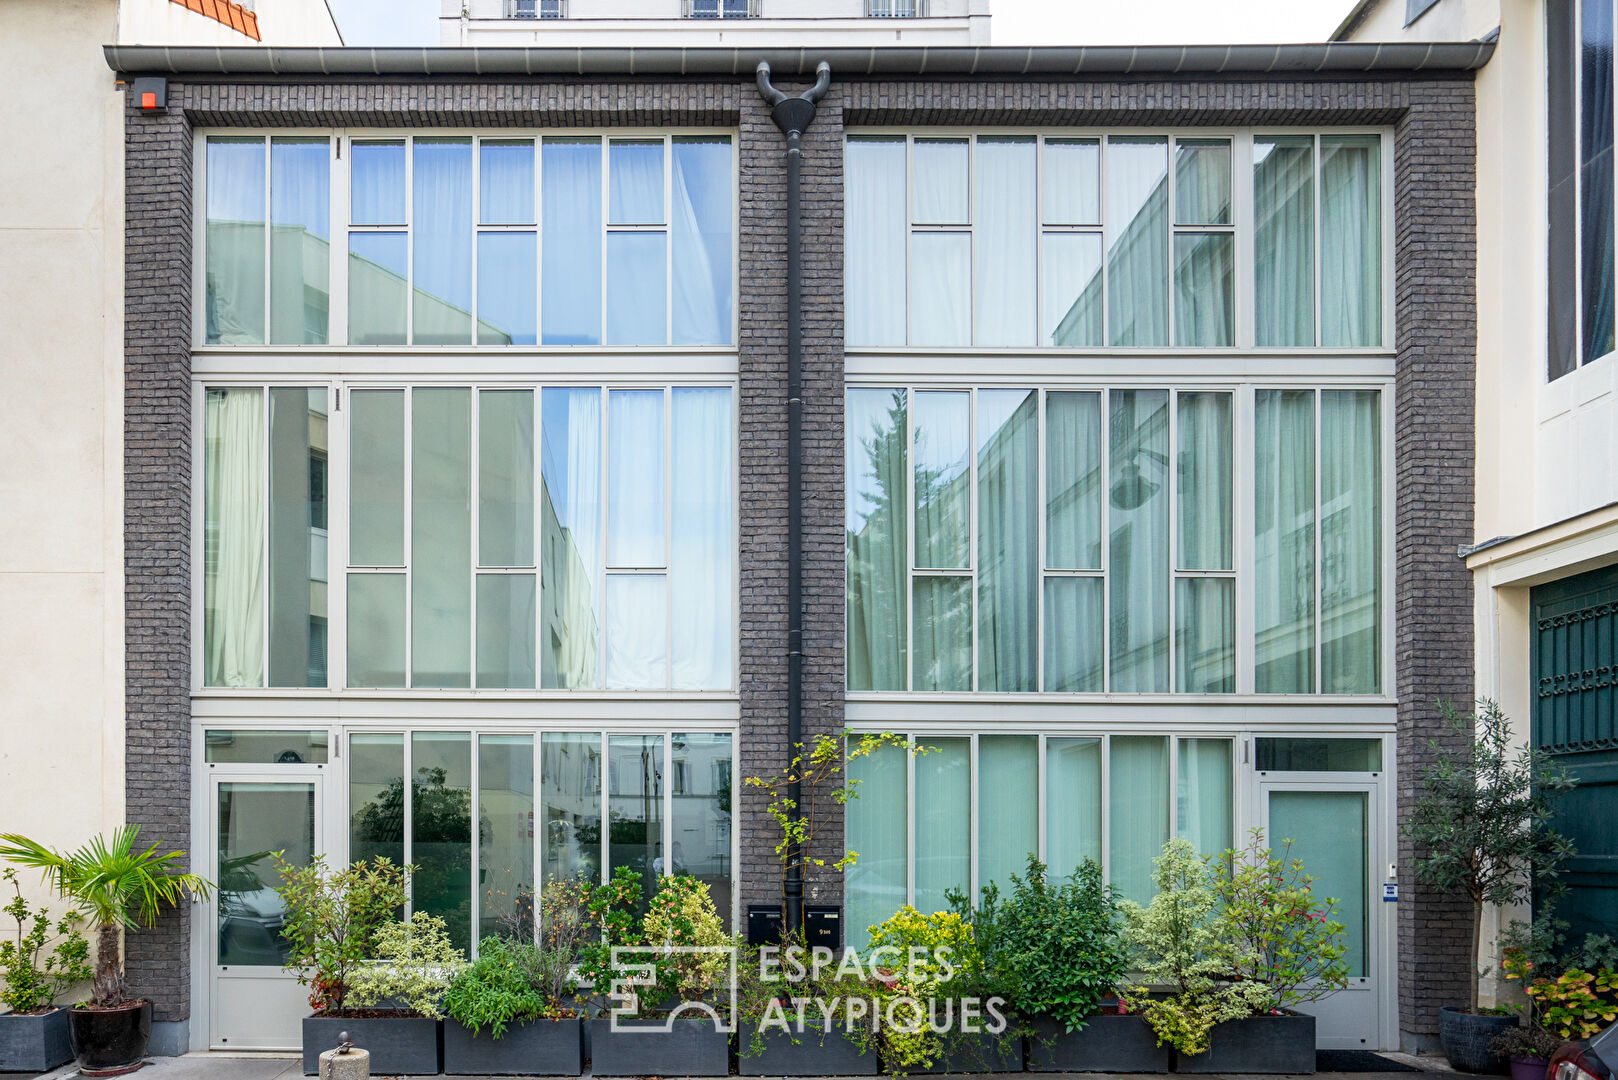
1256	1044
978	1053
1468	1040
411	1045
110	1041
815	1053
643	1048
1107	1043
34	1044
535	1048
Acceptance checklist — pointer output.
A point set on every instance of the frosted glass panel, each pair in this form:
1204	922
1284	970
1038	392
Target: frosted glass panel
441	538
943	822
876	831
570	542
637	631
635	480
1008	818
506	478
376	630
878	554
1072	804
1203	811
1328	830
874	233
572	248
506	631
1138	814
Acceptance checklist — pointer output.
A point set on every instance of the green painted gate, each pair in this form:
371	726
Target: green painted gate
1575	717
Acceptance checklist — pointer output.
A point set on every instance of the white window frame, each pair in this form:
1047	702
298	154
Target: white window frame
1579	359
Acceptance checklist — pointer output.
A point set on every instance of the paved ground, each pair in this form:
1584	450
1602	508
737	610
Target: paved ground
274	1067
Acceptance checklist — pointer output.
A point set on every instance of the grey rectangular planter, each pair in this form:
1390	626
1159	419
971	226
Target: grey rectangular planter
533	1048
979	1053
1256	1044
643	1048
408	1045
34	1044
815	1053
1107	1043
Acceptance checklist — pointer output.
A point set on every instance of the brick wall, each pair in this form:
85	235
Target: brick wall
1435	309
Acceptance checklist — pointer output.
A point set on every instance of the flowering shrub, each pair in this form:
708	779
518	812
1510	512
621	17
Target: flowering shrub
331	919
415	963
611	917
1575	1005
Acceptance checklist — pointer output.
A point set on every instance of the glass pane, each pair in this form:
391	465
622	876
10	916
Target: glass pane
1596	177
376	798
233	538
942	455
1139	541
877	882
297	634
637	182
1071	311
1073	634
441	224
570	786
1204	295
635	807
1008	540
943	632
1202	181
635	479
1073	481
441	829
441	538
377	183
701	810
376	478
506	836
1204	481
878	555
1006	233
1351	240
506	288
570	545
1317	755
637	288
703	180
300	747
256	823
1072	804
376	288
1284	540
1138	812
941	288
874	233
235	227
701	569
637	631
1137	241
1350	541
1284	239
1205	795
506	181
572	249
1205	635
376	630
506	478
506	621
1008	820
1327	831
300	240
943	822
1072	182
941	182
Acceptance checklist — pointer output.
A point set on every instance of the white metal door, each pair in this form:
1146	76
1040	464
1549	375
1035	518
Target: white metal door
254	813
1334	826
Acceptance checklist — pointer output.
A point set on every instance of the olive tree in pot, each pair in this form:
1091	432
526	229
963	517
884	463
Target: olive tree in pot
1481	827
117	887
38	963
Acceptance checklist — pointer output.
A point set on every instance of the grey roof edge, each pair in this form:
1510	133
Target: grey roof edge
1147	60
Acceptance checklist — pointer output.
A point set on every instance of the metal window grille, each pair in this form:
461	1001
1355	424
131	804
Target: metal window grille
895	9
720	9
536	9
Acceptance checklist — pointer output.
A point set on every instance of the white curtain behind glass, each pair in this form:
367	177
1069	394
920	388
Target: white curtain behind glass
875	241
1138	812
1138	498
943	822
1137	241
441	226
701	566
233	568
878	550
876	832
1204	798
1284	240
1350	541
637	636
702	246
1008	540
571	544
1006	228
235	235
1008	819
1350	241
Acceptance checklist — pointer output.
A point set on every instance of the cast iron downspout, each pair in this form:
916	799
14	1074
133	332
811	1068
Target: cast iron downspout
793	115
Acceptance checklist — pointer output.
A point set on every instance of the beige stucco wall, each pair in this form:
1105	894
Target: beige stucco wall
61	327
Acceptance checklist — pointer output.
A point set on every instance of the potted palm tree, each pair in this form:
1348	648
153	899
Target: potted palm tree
117	887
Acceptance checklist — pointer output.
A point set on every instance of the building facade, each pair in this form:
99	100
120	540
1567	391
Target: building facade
1546	538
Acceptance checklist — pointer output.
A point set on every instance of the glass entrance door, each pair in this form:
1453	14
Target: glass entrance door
254	1004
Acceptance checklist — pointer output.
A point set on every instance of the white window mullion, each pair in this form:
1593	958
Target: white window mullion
668	541
409	522
1244	223
337	256
910	820
1106	540
910	536
1244	521
475	914
410	239
474	484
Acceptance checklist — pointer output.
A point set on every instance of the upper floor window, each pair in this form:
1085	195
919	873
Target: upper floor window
1012	240
1580	122
557	538
1111	540
895	9
536	9
471	240
720	9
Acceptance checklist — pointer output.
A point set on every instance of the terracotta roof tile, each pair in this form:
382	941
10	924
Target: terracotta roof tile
231	14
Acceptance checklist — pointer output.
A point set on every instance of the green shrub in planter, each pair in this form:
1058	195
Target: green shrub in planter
43	960
415	964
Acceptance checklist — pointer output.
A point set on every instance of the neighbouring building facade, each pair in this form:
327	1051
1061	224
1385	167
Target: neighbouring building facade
1545	550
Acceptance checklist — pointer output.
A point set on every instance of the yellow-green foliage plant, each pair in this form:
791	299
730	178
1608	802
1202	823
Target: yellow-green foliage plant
682	913
936	961
415	963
